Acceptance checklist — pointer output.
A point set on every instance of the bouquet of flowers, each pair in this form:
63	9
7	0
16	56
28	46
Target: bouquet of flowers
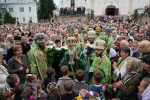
54	54
108	86
109	91
87	95
91	96
82	92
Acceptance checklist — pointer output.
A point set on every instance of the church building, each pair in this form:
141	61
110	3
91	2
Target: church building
107	7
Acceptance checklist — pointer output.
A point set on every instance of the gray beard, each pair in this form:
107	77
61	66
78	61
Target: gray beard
71	52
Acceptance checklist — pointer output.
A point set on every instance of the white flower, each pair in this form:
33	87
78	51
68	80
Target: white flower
64	47
58	48
50	46
90	45
91	93
98	98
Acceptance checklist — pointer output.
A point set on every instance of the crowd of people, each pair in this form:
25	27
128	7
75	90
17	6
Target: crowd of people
75	60
72	11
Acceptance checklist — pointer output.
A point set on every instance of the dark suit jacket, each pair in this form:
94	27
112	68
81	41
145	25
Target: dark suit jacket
14	65
25	48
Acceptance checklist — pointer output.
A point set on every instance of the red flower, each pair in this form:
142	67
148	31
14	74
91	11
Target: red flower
105	85
87	96
75	99
95	95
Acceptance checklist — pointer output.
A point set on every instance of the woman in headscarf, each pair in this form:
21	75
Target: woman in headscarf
127	87
144	48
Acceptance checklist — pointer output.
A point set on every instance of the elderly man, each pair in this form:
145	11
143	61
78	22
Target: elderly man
10	41
124	43
37	59
73	58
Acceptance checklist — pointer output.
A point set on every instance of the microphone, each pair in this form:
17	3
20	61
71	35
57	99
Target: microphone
119	76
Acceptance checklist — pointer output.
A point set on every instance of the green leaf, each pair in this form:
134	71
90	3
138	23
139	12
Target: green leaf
8	19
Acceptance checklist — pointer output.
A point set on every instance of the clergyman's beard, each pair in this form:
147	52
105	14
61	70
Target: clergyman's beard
42	47
91	42
71	52
99	55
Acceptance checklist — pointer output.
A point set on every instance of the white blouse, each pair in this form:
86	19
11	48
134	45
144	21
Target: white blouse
3	74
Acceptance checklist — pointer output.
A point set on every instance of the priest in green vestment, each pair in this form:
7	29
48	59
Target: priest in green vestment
101	62
73	58
37	58
99	33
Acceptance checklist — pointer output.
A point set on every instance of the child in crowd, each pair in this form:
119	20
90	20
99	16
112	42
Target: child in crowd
6	93
29	92
30	79
144	89
50	77
97	86
70	95
41	95
79	82
53	92
13	81
62	80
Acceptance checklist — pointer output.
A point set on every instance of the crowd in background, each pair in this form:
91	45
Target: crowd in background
108	56
72	11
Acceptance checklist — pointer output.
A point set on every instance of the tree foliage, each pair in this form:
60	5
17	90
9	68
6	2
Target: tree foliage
92	14
136	15
0	15
8	19
45	9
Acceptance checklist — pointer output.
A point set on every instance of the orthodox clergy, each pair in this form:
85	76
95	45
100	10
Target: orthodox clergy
108	32
90	55
98	31
101	62
37	57
73	57
91	37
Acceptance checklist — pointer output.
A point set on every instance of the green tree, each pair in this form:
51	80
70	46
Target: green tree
45	9
92	14
0	16
8	18
136	15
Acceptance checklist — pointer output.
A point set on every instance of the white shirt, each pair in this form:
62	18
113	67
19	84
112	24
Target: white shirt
122	70
3	74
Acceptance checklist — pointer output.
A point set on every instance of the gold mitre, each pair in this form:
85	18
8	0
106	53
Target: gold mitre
91	34
71	41
98	29
99	44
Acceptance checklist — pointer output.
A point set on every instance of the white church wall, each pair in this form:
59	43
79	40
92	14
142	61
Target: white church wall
98	7
64	3
126	7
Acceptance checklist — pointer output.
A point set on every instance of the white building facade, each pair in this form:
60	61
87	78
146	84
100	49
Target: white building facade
102	7
21	10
